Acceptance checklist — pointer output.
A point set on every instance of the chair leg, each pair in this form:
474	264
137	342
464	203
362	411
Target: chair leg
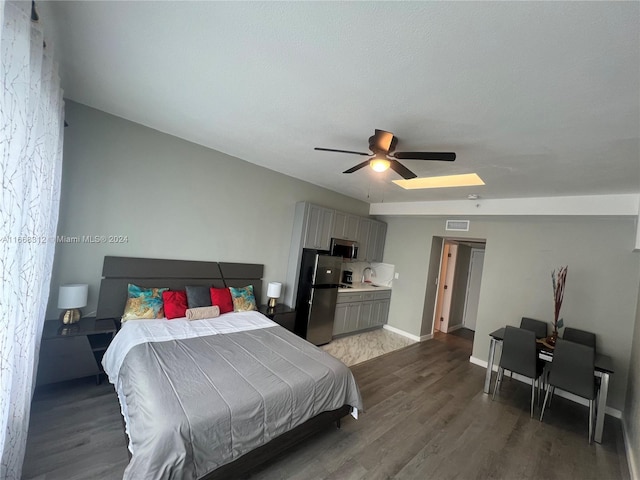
533	392
553	391
498	378
544	404
590	421
542	385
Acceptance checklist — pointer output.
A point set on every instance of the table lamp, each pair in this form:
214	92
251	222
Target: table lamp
71	298
273	292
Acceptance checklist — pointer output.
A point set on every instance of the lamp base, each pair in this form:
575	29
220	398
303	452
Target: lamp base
70	316
273	302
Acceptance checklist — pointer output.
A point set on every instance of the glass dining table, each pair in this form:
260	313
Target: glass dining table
603	369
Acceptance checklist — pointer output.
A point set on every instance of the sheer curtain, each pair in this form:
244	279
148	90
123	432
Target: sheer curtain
31	122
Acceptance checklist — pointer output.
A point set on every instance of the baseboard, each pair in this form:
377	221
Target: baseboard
454	328
413	337
632	461
482	363
614	412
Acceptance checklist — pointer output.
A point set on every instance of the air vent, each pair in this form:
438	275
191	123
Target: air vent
457	225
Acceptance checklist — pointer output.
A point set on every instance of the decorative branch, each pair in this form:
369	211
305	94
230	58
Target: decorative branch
558	279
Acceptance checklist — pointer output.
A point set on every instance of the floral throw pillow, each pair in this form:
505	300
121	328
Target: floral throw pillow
143	303
243	299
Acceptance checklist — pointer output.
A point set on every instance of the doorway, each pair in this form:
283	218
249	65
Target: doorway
457	286
473	289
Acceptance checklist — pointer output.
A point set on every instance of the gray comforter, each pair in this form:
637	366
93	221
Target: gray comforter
196	404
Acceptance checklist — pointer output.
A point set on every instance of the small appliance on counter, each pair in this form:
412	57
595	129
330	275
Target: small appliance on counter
347	277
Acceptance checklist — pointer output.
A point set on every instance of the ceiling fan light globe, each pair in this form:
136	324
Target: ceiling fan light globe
380	164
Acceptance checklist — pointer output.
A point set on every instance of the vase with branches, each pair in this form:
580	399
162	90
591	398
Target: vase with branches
558	279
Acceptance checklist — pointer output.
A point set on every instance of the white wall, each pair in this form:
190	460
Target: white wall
172	199
602	282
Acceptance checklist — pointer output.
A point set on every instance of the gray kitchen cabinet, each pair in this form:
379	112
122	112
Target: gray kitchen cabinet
380	313
362	238
347	318
359	311
340	319
317	232
384	311
380	241
353	317
366	315
375	241
345	226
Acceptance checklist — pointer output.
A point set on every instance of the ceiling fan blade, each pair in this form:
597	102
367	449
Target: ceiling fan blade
401	170
341	151
441	156
383	139
357	167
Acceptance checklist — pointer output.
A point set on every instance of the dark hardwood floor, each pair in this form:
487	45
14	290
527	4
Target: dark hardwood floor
463	333
426	418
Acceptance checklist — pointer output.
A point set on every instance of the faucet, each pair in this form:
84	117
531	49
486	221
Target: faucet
365	271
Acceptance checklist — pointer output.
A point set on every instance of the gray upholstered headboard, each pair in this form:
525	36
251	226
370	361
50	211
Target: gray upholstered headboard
118	272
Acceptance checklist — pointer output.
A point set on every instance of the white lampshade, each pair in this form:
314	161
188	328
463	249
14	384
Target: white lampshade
73	295
274	290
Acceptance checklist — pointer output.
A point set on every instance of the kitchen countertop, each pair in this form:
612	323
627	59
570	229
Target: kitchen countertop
363	287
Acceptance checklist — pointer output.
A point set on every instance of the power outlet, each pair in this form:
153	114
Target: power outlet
396	275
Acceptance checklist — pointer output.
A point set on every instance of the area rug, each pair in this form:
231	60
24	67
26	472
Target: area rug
358	348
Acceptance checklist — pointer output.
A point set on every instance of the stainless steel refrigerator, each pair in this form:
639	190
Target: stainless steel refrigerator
317	295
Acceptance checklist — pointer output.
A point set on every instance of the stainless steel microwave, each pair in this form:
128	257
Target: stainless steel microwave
347	249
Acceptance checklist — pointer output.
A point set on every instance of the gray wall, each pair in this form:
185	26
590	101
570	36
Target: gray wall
172	199
602	282
632	406
431	290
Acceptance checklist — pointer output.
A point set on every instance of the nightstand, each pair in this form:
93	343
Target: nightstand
73	351
281	314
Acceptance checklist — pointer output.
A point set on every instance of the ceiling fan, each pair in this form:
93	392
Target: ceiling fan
382	145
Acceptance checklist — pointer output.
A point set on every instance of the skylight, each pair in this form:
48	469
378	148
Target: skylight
464	180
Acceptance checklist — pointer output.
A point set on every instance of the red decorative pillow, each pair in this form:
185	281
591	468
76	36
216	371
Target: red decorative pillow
175	304
222	298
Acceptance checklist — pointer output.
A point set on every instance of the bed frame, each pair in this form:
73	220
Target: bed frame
118	272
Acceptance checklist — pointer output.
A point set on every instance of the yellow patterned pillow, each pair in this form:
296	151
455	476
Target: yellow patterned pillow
143	303
243	299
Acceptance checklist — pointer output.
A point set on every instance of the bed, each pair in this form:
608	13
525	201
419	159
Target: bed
212	398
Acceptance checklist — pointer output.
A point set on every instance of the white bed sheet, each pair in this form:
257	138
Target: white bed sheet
135	332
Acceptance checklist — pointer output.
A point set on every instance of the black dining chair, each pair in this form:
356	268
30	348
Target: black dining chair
537	326
519	355
583	337
580	336
572	370
540	329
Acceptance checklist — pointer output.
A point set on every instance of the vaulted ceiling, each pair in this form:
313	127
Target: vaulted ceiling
538	98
